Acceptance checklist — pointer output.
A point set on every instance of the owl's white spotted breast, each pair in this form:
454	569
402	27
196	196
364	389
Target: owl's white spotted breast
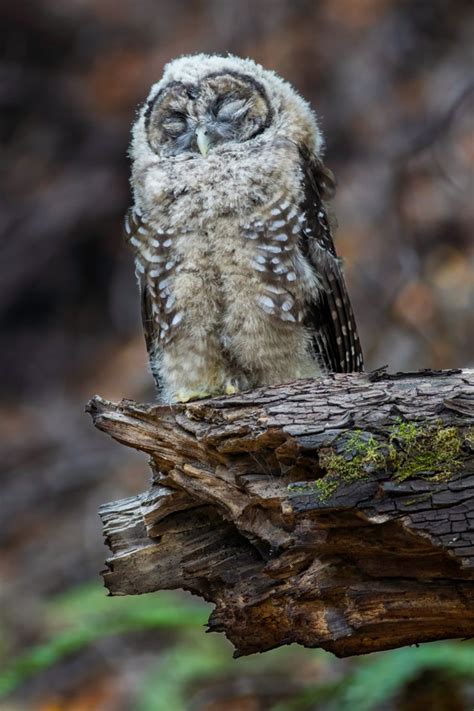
235	224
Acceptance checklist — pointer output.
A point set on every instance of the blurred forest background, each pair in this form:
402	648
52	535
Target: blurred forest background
393	85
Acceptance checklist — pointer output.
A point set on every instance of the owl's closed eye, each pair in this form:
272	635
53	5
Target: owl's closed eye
194	118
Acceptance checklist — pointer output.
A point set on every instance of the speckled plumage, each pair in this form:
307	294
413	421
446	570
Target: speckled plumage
241	285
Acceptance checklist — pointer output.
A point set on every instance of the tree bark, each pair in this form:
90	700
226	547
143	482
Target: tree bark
240	513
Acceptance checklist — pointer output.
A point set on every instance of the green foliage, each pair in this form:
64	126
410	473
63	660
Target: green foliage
380	677
164	686
377	678
86	614
167	685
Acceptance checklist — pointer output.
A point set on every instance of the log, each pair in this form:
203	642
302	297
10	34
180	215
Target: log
335	513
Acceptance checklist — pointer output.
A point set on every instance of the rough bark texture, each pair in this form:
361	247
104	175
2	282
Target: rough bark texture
236	515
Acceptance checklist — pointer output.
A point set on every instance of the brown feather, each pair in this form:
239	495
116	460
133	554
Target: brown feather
336	340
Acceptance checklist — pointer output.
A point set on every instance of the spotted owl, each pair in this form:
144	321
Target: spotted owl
240	282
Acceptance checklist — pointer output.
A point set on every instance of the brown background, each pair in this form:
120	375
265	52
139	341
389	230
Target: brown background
392	84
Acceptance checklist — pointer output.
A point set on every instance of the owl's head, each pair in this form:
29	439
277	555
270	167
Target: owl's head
210	103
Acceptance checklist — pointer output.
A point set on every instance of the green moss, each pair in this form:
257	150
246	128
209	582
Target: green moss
412	451
360	455
431	453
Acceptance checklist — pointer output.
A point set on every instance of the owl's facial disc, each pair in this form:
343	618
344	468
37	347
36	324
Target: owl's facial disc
194	119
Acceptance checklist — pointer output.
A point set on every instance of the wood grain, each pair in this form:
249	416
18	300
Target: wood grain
233	513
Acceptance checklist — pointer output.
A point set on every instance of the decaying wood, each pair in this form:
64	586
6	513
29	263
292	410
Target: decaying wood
234	516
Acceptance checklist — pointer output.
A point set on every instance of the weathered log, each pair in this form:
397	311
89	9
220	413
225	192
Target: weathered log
335	513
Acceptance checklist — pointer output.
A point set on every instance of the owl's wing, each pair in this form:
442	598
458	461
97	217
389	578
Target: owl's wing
137	234
330	317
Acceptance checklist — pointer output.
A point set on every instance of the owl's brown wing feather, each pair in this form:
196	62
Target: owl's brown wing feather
136	234
331	319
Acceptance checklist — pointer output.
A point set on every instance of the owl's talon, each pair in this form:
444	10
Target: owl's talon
231	389
188	395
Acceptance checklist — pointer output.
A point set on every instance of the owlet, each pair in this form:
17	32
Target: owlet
240	282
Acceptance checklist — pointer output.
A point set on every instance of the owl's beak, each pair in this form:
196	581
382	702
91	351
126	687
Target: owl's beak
203	141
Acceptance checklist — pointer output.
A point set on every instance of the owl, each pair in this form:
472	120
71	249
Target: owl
240	282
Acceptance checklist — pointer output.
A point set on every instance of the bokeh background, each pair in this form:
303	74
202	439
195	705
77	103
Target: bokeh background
393	84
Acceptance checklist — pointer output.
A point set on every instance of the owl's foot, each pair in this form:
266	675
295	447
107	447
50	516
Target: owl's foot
231	388
185	395
188	395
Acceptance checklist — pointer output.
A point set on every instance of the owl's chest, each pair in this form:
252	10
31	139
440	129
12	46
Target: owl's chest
245	220
253	260
257	243
236	232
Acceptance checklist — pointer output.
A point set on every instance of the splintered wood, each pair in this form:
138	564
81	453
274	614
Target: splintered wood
240	513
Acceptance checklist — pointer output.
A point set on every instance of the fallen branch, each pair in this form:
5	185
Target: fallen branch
336	514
